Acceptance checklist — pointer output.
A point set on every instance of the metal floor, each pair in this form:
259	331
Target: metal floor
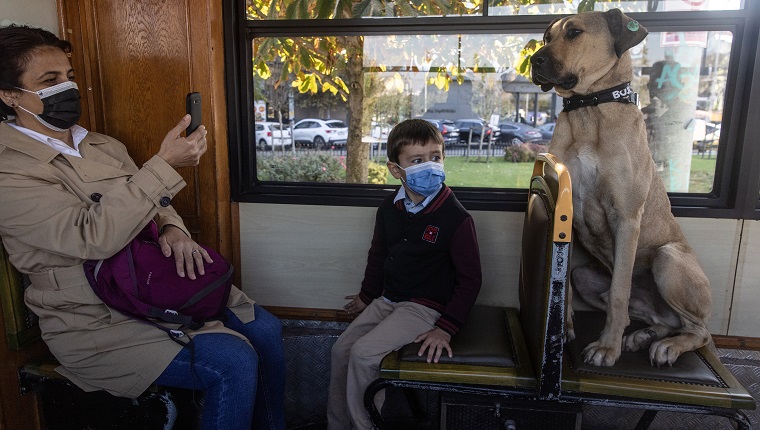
307	351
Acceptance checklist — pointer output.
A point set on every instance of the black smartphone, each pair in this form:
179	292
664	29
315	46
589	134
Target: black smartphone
193	106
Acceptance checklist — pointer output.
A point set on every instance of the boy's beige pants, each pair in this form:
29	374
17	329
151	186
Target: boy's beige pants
355	361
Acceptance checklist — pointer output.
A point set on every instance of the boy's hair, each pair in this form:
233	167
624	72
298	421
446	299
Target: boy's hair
412	132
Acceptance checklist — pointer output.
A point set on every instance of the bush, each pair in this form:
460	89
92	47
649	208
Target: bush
378	173
524	152
312	167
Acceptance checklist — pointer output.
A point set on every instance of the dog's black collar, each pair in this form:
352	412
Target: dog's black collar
621	94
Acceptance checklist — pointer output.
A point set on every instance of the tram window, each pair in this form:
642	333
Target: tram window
299	85
467	85
512	7
682	80
289	9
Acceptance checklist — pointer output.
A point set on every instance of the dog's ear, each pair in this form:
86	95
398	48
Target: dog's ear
626	32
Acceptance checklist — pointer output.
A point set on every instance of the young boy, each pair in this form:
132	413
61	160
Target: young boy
422	276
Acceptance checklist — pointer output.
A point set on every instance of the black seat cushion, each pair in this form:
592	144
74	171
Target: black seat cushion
689	368
485	340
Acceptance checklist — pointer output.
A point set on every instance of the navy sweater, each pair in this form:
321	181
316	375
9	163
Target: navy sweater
431	258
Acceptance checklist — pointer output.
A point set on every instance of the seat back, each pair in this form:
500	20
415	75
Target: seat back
21	327
546	243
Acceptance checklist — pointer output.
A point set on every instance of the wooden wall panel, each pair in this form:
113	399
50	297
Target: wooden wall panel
71	30
143	55
138	60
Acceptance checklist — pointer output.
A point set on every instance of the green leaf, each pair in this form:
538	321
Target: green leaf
523	61
341	84
586	5
329	87
325	9
307	62
262	69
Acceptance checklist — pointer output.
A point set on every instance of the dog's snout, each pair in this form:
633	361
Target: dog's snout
538	59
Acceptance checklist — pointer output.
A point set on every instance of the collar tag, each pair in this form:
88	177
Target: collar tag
621	94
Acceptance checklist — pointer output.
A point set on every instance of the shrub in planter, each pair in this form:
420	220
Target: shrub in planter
524	152
311	167
378	173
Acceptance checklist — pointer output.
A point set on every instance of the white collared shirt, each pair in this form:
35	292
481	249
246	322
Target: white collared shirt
77	135
410	206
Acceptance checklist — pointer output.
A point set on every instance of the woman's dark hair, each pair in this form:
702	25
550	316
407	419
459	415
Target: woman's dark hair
411	132
17	45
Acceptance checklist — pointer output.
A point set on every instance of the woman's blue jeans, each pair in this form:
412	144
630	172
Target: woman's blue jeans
244	387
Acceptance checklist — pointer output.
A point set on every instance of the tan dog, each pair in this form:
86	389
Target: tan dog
622	214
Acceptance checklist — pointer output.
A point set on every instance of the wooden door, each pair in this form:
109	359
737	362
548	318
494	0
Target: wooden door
135	61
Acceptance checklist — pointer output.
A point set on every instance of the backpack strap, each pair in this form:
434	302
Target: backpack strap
209	288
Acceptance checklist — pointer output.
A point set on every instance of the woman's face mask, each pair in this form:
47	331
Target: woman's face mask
61	106
424	178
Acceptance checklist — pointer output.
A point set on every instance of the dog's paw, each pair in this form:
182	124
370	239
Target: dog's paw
639	339
664	351
598	355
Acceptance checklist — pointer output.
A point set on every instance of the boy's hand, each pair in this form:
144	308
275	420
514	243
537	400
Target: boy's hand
355	305
435	341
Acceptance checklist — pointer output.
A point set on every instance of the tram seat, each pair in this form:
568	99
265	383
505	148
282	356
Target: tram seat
62	404
510	367
697	383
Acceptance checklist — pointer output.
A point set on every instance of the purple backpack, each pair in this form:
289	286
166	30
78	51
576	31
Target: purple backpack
141	282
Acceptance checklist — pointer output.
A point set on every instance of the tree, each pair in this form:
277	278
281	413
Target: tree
278	98
335	64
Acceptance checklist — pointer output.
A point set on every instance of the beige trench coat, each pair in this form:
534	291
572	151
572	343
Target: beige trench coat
56	211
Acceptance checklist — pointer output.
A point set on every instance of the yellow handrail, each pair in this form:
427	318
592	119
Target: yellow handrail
563	223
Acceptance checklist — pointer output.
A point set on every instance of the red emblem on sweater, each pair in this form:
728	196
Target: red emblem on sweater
431	234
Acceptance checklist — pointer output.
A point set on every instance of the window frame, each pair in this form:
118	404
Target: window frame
737	177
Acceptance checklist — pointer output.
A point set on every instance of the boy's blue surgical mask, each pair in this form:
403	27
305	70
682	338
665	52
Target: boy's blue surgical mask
424	178
61	106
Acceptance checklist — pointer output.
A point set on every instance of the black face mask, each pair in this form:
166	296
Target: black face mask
62	108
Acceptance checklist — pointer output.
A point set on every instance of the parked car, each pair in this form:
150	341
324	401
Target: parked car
477	126
269	135
515	133
547	130
448	130
320	133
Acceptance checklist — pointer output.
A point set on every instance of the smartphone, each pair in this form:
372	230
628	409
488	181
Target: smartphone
193	106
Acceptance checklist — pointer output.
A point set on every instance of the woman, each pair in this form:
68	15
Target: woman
68	195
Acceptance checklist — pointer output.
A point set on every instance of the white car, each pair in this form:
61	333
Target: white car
320	133
269	135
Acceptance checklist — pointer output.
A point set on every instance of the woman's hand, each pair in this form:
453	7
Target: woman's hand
355	306
181	151
435	341
187	254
